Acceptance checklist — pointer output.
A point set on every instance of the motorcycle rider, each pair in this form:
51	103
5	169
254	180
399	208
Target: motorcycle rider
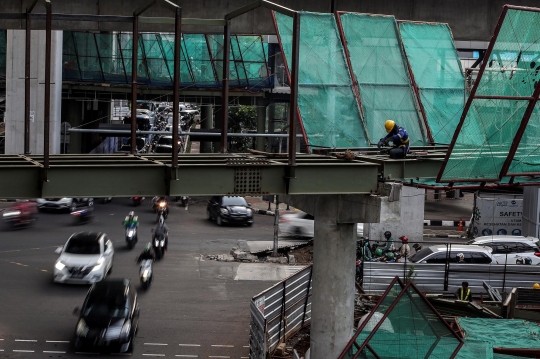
147	253
161	230
404	250
131	220
27	210
156	204
389	242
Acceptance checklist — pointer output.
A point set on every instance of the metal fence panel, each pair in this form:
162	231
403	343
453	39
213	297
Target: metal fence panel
257	333
430	277
285	308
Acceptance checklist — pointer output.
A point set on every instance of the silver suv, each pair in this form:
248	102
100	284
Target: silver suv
438	254
511	248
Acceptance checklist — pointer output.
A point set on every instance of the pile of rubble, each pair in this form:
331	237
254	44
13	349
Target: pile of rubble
238	255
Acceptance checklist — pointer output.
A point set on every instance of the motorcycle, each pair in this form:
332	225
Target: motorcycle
131	236
15	219
160	204
145	273
162	212
137	201
159	246
83	216
185	202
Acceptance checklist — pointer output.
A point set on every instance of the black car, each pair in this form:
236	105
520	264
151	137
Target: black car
225	209
164	145
108	318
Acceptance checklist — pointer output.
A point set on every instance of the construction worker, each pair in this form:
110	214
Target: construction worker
464	293
399	138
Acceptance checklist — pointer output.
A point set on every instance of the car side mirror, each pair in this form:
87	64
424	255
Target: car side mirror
58	250
76	311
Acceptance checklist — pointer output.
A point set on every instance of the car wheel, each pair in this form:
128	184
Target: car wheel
208	216
91	203
73	206
219	221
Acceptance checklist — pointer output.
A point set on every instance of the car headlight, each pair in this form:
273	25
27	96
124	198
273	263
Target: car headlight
249	211
224	211
11	214
124	332
82	328
59	265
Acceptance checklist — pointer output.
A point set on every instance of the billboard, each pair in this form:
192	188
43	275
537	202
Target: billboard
498	215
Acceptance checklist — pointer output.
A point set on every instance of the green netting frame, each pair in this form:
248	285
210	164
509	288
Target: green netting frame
411	328
107	58
377	61
438	75
3	52
512	69
328	108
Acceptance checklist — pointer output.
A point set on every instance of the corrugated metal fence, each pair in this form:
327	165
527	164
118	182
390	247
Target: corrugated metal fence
279	312
440	277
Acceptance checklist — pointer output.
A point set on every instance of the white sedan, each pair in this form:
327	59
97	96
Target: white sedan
301	224
86	258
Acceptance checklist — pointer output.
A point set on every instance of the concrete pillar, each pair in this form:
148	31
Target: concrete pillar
217	124
261	121
71	113
271	128
207	122
332	303
15	66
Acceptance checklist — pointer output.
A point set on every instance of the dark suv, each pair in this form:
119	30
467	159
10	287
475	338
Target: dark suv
225	209
108	318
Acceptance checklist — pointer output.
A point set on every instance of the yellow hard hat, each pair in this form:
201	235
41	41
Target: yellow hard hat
536	286
389	125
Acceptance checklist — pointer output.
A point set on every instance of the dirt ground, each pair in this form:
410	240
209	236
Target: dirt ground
303	255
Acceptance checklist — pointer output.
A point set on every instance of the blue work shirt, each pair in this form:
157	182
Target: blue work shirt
399	139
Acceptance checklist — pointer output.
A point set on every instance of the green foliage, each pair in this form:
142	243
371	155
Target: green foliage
242	119
410	275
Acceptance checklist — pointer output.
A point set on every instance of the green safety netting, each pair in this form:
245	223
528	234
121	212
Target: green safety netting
497	333
378	65
328	107
3	44
438	74
512	69
107	58
412	329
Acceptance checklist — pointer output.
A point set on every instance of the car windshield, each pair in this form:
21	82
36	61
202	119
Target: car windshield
107	307
165	141
419	256
85	246
234	201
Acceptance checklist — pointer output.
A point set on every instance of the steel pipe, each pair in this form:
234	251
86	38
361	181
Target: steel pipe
176	82
47	92
225	85
134	53
181	133
27	84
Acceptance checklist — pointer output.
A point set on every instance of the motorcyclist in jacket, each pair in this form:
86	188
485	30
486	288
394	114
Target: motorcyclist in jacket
161	230
131	220
399	138
147	253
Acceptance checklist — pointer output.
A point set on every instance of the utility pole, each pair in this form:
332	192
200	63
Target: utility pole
276	228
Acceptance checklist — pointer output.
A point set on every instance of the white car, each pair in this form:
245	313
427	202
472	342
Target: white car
511	248
64	203
86	258
438	254
301	224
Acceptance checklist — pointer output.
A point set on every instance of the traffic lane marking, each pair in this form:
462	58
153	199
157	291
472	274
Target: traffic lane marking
53	352
155	344
189	345
56	341
222	346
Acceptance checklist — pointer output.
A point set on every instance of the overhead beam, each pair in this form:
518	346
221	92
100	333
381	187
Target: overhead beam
193	21
256	4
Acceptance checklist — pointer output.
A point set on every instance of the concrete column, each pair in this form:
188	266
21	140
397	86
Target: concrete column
261	122
332	303
217	124
15	66
271	117
207	122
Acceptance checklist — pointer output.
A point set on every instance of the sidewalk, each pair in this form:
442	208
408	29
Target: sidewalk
261	207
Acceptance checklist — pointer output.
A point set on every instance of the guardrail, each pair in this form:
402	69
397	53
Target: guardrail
442	277
279	312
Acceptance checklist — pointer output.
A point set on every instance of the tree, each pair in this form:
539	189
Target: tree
242	119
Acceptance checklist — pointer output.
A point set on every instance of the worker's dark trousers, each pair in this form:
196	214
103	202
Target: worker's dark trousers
398	152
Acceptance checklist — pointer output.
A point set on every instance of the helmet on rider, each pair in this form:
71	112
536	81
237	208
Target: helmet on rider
404	239
519	260
389	125
387	234
417	247
131	215
378	252
460	257
390	255
528	261
536	286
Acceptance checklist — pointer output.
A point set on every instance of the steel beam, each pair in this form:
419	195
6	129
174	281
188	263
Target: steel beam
47	92
225	86
295	69
176	83
27	74
134	59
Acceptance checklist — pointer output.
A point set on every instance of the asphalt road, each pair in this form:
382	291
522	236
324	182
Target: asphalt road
194	309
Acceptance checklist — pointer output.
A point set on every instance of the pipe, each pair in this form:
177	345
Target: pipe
47	106
293	104
27	84
225	85
471	187
134	54
176	82
181	133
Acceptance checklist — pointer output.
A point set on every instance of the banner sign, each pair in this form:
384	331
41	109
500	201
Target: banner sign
498	216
